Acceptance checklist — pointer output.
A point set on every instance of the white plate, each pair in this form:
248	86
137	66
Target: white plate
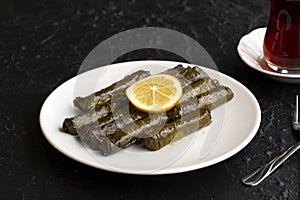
250	49
234	125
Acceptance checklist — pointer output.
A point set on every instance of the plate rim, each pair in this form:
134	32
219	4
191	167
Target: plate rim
167	170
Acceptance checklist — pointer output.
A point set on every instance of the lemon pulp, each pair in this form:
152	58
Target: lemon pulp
157	93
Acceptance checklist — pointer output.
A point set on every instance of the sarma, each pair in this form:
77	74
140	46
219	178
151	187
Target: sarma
111	123
108	142
185	75
112	137
116	90
128	113
104	95
177	129
200	83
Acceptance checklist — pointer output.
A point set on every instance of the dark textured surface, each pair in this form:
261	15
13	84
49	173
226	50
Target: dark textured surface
42	44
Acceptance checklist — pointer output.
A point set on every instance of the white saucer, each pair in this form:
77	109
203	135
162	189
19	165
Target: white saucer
250	49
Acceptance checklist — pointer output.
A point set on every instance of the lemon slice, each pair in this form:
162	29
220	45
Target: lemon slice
157	93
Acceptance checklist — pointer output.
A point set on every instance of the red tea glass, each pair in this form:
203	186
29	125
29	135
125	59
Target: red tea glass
282	39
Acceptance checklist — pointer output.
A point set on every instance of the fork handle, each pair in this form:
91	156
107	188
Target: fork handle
259	175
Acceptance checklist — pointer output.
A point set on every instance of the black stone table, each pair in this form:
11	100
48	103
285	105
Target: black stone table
43	43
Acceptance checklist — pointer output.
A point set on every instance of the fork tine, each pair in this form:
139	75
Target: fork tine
296	110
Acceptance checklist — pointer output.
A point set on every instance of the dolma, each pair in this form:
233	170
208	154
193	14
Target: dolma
116	90
112	143
194	73
177	129
129	113
71	124
106	109
186	77
109	137
104	95
209	99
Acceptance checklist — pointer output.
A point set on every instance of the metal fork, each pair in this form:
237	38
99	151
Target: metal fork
259	175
